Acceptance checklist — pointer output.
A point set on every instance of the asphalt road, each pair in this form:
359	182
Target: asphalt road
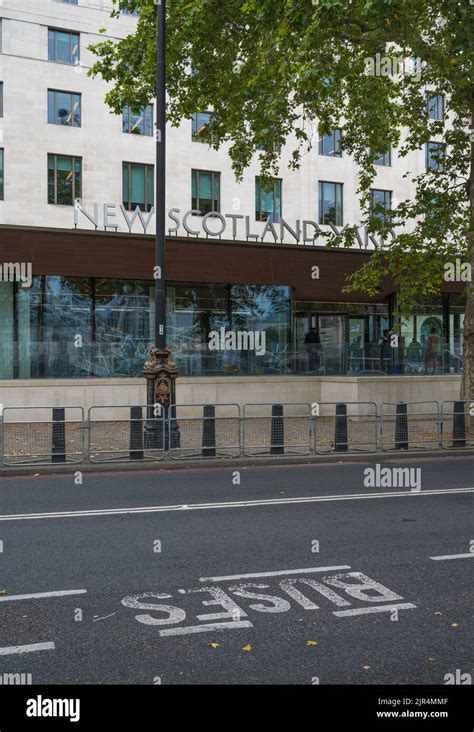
295	574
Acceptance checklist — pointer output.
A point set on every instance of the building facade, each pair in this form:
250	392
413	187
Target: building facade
77	225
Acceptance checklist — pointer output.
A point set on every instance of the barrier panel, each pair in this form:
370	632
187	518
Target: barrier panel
205	430
125	434
42	435
409	425
457	424
345	427
276	429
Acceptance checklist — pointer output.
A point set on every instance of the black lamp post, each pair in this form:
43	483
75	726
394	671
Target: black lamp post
160	371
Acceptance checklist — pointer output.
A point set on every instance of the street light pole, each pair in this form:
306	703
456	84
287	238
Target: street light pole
160	371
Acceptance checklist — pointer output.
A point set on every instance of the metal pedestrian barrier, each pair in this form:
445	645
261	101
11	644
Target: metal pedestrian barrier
457	424
409	426
42	435
345	427
205	430
276	429
126	433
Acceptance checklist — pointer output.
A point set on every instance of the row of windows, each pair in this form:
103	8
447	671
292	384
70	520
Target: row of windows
75	2
65	185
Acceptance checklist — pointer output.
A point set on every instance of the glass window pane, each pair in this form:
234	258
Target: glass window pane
125	180
137	186
150	186
63	45
149	120
51	49
205	185
64	108
51	113
75	48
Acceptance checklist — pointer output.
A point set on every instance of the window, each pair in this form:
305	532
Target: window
205	191
64	108
434	155
435	105
138	124
331	144
69	2
381	204
138	186
63	46
268	201
384	158
330	203
64	179
1	98
200	120
1	174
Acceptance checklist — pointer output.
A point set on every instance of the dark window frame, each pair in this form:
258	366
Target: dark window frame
213	173
74	158
438	96
128	121
65	91
322	140
1	99
71	33
147	207
321	184
387	219
195	135
382	157
259	214
436	165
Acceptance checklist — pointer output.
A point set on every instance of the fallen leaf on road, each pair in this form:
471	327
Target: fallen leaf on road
248	647
437	613
454	625
214	645
311	643
366	668
3	592
431	658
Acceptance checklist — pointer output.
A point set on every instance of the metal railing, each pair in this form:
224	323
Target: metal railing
49	436
55	435
276	429
124	433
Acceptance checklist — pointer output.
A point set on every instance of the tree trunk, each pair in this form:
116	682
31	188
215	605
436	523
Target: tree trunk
467	381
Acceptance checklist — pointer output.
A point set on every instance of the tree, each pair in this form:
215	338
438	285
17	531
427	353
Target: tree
269	68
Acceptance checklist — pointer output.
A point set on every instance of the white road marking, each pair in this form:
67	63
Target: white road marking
36	595
272	574
104	618
11	650
232	504
205	628
469	555
373	609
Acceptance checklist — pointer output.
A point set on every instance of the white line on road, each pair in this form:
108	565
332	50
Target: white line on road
232	504
205	628
272	574
36	595
11	650
373	609
469	555
104	617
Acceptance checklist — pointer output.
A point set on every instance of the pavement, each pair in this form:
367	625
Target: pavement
288	574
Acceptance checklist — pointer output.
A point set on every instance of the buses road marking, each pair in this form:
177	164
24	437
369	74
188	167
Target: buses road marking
374	609
230	504
34	596
272	574
469	555
10	650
